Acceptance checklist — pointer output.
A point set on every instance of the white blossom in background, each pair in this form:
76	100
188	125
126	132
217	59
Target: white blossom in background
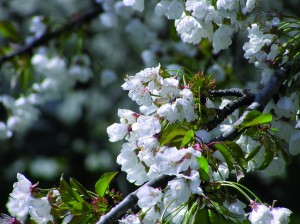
171	8
190	29
222	38
135	4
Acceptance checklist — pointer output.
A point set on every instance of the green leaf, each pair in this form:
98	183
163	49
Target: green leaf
204	168
187	138
173	131
191	212
67	193
226	154
253	153
78	186
8	30
214	217
254	118
237	153
103	182
201	216
270	151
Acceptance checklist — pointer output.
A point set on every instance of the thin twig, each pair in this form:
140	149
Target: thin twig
74	21
226	92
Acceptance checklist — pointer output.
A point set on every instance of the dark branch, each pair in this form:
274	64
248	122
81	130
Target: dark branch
131	200
229	109
226	92
260	100
74	22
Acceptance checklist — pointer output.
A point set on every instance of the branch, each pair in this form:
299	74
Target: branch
260	100
74	22
229	109
131	200
226	92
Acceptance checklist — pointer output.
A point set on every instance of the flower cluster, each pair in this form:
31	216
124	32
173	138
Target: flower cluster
263	214
194	20
22	202
259	43
164	139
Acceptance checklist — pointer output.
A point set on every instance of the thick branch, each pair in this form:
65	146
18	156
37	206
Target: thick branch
229	109
74	21
260	100
131	200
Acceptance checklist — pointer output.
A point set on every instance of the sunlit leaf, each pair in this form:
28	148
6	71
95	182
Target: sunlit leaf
171	132
103	183
254	118
203	168
187	138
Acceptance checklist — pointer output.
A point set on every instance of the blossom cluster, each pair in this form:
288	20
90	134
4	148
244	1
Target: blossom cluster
194	20
22	202
166	107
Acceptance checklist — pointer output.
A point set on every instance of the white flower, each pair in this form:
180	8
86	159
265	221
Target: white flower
179	190
203	135
193	180
166	111
117	132
237	207
222	38
260	214
148	196
257	40
189	29
14	208
227	4
4	132
39	210
127	116
149	74
171	8
130	219
130	164
172	161
198	7
146	126
22	190
281	215
135	4
170	88
137	91
250	5
222	173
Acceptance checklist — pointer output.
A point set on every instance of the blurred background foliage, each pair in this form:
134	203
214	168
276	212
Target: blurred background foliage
88	62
